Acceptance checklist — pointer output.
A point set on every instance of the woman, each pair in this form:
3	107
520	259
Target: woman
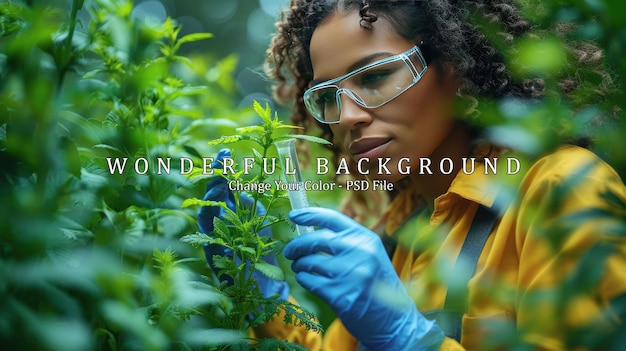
387	80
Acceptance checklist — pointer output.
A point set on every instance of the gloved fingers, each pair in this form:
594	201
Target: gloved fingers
218	161
322	217
265	232
270	287
321	264
314	283
339	294
246	200
359	268
216	189
322	240
214	249
205	218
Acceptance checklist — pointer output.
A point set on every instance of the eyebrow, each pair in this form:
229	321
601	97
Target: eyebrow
359	63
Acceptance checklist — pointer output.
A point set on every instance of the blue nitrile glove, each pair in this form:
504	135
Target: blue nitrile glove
347	266
217	190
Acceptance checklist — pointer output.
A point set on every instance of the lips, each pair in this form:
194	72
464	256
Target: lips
365	146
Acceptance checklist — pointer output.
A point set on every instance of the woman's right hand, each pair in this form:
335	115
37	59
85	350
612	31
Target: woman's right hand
347	266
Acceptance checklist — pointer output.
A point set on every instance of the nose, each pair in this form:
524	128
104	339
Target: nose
351	113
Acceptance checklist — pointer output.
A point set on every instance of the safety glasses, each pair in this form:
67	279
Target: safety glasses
370	86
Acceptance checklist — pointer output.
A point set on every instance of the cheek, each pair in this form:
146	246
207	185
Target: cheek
424	119
429	128
429	106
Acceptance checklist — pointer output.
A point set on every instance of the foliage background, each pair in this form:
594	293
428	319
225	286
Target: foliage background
91	260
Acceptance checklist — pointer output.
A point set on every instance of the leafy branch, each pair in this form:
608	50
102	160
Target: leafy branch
239	230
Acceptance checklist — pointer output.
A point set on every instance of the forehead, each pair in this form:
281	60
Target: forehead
339	41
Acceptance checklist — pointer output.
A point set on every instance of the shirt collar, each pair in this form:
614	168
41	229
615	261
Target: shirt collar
477	186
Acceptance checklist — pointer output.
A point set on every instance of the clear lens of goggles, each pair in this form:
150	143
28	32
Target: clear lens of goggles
370	86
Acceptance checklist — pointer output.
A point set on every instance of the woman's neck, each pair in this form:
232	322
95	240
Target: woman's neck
455	147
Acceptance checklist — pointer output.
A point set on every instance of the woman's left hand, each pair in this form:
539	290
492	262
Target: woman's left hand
347	266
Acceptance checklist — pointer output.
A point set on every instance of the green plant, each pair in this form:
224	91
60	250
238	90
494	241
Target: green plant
84	246
94	250
239	231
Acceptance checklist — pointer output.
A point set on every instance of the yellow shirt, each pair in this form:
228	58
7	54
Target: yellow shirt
527	276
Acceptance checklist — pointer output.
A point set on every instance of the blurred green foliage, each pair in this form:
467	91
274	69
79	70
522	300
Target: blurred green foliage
90	258
578	48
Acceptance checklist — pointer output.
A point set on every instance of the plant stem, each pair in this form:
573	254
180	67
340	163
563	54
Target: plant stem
67	49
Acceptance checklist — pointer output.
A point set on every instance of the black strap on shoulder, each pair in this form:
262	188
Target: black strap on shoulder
465	265
390	242
450	317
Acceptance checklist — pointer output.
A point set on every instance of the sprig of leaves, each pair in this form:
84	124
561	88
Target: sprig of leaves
265	134
238	231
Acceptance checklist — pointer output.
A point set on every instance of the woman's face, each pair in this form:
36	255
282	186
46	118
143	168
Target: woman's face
414	125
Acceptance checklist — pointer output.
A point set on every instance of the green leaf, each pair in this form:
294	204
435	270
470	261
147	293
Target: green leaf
197	175
299	316
197	239
250	129
197	202
257	155
270	271
247	250
288	126
264	113
224	262
194	37
220	228
227	139
193	90
217	241
107	147
214	123
192	260
232	217
166	258
252	138
71	157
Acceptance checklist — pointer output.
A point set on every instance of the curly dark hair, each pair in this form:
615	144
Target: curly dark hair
451	31
466	35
